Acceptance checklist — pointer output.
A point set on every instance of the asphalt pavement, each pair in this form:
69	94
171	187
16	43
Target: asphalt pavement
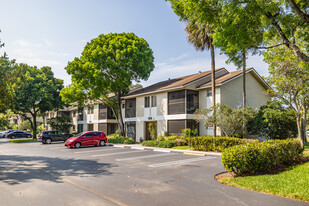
36	174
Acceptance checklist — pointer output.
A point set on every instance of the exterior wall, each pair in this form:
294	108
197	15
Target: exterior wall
231	93
161	127
140	130
140	106
162	104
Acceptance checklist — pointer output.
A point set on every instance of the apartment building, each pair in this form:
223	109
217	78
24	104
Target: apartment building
93	116
170	105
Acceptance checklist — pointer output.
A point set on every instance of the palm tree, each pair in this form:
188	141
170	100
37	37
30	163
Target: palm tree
200	36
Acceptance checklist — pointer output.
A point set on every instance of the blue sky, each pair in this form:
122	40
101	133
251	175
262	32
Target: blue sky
52	33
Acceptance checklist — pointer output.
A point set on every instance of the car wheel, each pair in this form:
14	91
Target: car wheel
102	143
13	137
48	141
77	145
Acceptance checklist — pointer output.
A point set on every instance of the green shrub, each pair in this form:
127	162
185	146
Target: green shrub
154	143
116	138
217	144
260	157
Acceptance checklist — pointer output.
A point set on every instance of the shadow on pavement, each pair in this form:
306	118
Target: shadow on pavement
16	169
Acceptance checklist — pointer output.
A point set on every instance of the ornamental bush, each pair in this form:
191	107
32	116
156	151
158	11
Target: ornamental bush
260	157
217	144
116	138
154	143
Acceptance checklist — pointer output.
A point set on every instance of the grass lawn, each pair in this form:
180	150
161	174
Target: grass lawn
182	147
292	183
307	146
22	140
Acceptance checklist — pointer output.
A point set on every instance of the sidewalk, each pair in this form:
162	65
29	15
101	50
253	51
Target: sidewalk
159	149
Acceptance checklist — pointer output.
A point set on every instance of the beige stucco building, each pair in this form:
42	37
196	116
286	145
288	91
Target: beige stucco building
169	105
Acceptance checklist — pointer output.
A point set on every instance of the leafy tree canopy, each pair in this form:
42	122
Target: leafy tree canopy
37	94
289	80
274	121
62	123
251	23
108	65
229	120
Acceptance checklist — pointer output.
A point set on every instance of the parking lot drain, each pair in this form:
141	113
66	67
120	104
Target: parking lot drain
195	154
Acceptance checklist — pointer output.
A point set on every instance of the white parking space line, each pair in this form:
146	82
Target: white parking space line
115	153
143	157
101	150
121	146
162	150
140	148
181	161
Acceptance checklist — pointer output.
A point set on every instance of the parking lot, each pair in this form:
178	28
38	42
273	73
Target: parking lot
37	174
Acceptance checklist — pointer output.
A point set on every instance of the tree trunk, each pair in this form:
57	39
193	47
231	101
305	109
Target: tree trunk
34	125
213	86
300	128
120	119
244	89
305	125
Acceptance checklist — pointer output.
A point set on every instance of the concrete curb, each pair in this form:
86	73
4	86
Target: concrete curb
158	149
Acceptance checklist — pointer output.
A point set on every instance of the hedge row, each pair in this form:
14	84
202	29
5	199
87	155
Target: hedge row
120	140
154	143
217	144
260	157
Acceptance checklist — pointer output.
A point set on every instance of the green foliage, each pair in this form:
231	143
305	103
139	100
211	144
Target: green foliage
289	183
25	125
22	140
11	77
62	123
217	144
4	122
289	80
189	132
260	157
109	64
274	122
116	138
37	94
240	25
152	131
230	120
163	144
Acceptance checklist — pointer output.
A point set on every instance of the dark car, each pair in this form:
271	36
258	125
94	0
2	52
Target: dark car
47	137
18	134
96	138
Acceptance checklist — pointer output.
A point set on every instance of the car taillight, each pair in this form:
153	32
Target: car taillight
41	135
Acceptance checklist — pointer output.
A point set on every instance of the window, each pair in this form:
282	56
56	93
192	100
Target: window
147	102
90	110
192	101
176	126
131	129
80	114
153	101
176	102
130	108
80	128
102	111
209	93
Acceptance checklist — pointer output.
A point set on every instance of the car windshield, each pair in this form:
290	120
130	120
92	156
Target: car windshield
79	134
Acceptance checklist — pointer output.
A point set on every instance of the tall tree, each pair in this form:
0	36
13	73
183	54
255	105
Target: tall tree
108	65
289	80
37	94
200	35
283	21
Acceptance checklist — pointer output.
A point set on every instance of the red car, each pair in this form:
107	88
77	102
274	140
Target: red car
95	138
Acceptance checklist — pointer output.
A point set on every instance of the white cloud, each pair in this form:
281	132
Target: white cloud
182	56
23	43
